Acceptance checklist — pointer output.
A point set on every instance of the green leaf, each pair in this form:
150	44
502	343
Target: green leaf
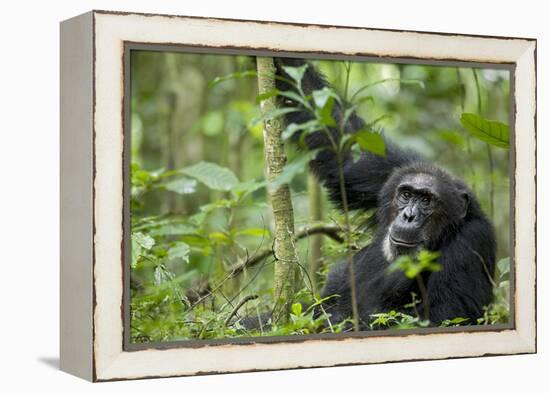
179	250
234	75
324	102
136	253
173	229
258	232
452	137
416	82
182	186
247	187
412	266
454	322
372	142
212	123
139	242
504	265
293	96
292	128
267	95
212	175
292	169
273	114
355	152
378	120
161	275
325	113
296	73
297	309
458	320
493	132
321	97
274	93
143	240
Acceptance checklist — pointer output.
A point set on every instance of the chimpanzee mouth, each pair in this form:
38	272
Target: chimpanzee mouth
402	243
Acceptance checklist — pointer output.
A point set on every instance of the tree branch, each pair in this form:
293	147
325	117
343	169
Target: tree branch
331	231
245	300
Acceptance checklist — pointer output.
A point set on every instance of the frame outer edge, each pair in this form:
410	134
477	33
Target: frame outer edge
76	193
115	363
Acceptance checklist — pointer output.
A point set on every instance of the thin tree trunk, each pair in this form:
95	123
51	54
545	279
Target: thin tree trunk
316	241
286	263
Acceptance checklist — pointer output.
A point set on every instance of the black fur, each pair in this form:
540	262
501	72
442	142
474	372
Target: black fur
466	241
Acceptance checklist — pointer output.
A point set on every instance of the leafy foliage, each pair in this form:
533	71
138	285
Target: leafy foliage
498	311
198	197
493	132
424	261
372	142
213	176
396	320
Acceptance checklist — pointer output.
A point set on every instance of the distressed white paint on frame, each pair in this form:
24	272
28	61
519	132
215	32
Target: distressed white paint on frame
111	30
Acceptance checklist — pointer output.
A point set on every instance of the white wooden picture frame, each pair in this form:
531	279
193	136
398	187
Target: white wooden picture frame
93	49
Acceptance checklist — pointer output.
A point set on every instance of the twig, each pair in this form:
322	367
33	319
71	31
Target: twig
424	294
485	268
468	137
490	158
329	231
244	300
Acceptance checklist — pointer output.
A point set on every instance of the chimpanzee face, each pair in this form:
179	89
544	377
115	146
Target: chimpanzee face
418	207
415	201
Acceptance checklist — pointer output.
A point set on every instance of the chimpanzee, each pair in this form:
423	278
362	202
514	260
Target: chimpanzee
417	206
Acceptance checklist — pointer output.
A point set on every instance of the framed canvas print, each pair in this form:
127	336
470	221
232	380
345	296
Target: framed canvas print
245	195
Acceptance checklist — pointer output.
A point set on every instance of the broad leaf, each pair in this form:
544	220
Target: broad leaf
493	132
212	175
182	186
235	75
417	82
136	252
139	241
161	275
247	187
378	120
324	102
452	137
212	123
258	232
325	113
219	238
274	93
296	73
503	266
320	97
293	96
273	114
308	127
297	308
372	142
143	240
294	168
173	229
179	250
267	95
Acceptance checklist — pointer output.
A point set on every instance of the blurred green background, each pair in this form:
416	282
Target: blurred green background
187	235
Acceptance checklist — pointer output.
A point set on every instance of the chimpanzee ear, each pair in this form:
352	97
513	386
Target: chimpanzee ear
465	203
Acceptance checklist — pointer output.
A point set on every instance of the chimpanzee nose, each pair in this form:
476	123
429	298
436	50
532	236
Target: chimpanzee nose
409	215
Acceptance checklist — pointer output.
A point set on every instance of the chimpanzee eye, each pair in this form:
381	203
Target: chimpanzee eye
406	195
425	200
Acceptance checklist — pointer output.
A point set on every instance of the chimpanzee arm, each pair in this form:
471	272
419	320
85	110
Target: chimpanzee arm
363	178
464	285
